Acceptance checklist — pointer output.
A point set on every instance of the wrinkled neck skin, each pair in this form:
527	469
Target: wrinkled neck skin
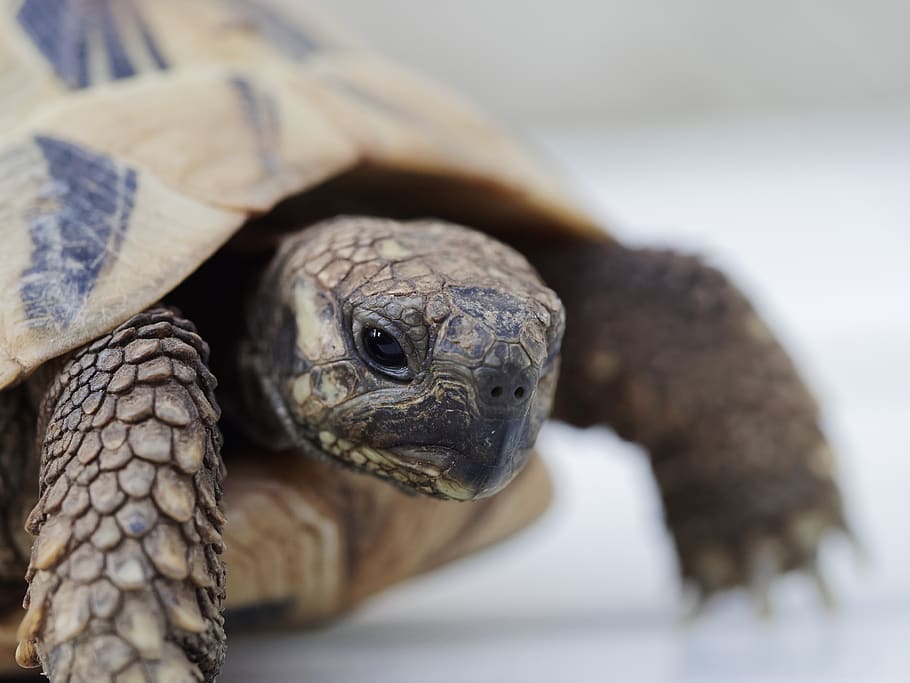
423	353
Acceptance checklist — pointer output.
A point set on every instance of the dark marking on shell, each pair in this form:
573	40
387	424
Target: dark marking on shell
59	34
262	117
76	225
147	38
63	31
119	61
278	31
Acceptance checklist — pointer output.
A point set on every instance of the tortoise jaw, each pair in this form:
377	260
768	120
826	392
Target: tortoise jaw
450	489
445	468
495	451
413	468
430	460
436	471
436	462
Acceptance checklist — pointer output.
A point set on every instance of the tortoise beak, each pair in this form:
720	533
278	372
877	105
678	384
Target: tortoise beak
499	440
498	450
492	452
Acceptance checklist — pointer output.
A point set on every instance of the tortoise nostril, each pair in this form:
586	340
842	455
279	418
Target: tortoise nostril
498	391
506	389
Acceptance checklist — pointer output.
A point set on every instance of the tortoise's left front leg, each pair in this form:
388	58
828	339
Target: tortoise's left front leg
126	577
667	352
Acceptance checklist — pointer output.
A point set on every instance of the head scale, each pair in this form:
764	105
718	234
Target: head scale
424	353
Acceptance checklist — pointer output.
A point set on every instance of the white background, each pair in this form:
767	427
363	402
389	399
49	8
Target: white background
619	61
774	138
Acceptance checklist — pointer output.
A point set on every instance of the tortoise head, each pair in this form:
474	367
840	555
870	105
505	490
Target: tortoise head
425	353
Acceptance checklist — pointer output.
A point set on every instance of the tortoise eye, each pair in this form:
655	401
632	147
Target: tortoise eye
384	350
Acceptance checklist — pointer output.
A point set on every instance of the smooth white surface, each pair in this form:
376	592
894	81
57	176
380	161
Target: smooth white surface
813	218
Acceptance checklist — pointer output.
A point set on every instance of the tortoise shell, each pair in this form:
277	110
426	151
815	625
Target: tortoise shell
141	135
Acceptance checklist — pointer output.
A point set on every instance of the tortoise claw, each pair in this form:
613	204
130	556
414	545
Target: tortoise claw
764	566
696	600
757	564
825	594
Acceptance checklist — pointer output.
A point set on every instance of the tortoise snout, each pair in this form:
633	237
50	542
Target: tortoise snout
506	389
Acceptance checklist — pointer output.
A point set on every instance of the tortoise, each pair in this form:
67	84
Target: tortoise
391	286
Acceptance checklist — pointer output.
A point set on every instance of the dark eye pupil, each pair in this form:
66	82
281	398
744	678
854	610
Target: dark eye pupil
384	349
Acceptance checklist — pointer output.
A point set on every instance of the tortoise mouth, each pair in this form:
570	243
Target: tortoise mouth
436	471
474	464
440	464
411	467
431	460
461	474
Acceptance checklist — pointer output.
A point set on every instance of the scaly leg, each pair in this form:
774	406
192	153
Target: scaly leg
667	352
126	576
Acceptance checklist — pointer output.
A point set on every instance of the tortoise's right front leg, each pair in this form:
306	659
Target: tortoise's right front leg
668	352
126	577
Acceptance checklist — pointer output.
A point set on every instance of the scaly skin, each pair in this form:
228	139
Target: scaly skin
126	578
667	352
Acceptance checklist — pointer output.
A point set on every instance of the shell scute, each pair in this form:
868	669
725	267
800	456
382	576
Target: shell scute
66	32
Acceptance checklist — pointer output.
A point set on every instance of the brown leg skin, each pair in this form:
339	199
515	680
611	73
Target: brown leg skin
126	576
666	351
18	474
307	541
18	491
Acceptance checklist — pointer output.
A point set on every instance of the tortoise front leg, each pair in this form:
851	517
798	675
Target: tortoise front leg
667	352
126	577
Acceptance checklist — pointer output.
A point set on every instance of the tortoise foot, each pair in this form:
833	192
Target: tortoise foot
126	577
790	542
